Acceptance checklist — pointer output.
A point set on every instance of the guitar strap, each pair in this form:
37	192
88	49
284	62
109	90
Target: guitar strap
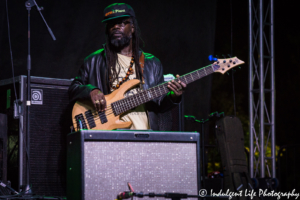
142	62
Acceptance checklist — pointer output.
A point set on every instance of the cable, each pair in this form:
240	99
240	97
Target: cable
11	56
15	196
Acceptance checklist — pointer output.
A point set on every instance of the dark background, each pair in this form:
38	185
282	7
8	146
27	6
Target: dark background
287	51
180	33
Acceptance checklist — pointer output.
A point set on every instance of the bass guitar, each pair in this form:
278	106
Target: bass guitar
84	115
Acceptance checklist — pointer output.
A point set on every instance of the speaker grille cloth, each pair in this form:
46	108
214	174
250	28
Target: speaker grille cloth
48	143
157	167
170	120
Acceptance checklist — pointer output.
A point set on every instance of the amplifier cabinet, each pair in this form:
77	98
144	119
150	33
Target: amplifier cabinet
3	147
100	163
49	127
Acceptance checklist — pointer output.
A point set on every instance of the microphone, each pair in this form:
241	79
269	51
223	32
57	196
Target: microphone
125	195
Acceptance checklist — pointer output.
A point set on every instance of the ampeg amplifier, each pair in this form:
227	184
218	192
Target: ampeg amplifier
49	127
100	163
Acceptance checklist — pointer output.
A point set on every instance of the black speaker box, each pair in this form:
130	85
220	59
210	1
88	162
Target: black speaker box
3	147
173	119
48	129
101	163
230	137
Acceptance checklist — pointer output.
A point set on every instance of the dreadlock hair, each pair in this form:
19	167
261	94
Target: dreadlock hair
112	57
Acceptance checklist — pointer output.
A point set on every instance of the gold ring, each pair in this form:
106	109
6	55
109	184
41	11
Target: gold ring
97	101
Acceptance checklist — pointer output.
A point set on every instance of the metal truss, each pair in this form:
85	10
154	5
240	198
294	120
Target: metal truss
261	89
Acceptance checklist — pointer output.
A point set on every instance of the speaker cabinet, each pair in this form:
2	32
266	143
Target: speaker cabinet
3	147
230	137
49	127
100	163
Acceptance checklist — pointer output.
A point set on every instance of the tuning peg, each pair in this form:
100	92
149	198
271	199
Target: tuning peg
229	56
211	58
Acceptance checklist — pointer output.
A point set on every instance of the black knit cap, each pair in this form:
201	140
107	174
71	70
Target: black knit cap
117	10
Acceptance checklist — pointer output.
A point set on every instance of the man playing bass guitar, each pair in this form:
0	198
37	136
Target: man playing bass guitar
120	60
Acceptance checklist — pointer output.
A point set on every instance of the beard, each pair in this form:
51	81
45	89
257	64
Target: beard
117	42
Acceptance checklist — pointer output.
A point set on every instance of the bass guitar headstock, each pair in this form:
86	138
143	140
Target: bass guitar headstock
223	65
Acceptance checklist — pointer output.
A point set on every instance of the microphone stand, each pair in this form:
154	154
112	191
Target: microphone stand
29	4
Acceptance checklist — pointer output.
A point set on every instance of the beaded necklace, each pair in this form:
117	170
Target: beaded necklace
130	71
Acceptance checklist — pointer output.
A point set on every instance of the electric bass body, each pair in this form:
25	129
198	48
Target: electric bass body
85	116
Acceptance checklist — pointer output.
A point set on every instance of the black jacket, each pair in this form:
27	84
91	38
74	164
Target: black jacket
94	74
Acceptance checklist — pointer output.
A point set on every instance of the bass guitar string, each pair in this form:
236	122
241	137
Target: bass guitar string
156	90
